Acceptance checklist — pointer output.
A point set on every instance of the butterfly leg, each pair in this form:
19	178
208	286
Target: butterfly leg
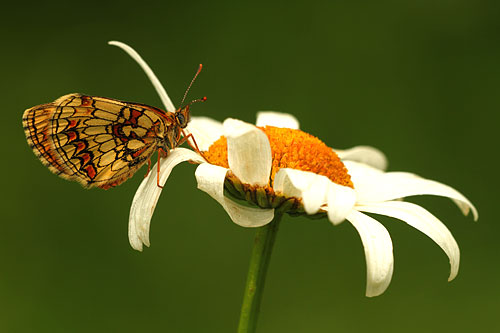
149	168
161	153
195	147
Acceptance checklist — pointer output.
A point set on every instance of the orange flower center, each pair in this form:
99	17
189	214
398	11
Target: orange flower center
292	149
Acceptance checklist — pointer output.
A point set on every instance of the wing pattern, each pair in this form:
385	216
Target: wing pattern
93	140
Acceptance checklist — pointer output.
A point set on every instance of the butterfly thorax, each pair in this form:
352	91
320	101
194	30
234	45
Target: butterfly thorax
175	122
171	137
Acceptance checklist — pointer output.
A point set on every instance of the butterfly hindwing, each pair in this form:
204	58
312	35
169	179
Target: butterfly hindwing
96	141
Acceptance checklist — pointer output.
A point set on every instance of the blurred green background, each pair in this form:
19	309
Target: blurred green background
418	79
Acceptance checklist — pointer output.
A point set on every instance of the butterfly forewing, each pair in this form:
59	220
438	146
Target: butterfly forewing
96	141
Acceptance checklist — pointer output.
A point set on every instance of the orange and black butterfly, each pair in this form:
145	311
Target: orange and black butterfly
101	141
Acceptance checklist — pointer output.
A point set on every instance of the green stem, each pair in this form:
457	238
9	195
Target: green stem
261	255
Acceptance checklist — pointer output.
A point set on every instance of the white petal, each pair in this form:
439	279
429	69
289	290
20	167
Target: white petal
361	173
248	152
341	200
315	191
293	183
395	185
315	196
421	219
154	80
308	186
277	119
378	252
364	154
205	131
147	195
210	179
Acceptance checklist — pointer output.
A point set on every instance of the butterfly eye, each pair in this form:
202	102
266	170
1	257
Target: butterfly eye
180	119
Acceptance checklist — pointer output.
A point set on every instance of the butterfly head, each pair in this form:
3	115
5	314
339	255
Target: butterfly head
182	115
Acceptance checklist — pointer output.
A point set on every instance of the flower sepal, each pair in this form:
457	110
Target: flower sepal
264	197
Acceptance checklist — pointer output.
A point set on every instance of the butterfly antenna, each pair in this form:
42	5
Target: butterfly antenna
198	100
189	87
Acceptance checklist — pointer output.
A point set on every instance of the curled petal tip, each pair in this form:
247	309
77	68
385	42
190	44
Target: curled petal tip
151	75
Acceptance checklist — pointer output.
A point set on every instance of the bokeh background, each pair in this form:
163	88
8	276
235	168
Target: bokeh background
418	79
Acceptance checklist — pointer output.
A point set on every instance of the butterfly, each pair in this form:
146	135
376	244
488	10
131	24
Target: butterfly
102	141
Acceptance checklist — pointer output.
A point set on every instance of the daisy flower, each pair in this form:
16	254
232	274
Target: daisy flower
259	171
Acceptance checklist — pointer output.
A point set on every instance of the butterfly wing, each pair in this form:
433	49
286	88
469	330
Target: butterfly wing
93	140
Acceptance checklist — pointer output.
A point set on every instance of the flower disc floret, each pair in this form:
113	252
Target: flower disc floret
294	149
